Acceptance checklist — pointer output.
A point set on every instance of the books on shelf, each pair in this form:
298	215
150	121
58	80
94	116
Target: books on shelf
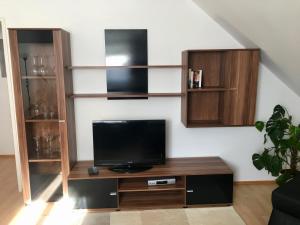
195	78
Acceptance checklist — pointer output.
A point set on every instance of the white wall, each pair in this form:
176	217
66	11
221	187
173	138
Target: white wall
269	24
172	27
6	138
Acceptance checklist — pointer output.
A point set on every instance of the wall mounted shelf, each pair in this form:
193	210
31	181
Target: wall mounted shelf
125	95
128	67
210	89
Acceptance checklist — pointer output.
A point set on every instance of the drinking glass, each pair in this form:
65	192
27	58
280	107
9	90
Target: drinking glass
43	66
35	110
35	66
49	143
37	144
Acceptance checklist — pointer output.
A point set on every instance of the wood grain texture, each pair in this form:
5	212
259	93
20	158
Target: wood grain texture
184	87
173	167
11	199
65	105
234	72
20	114
253	202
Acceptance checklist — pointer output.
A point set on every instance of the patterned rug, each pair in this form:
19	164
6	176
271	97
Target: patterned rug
190	216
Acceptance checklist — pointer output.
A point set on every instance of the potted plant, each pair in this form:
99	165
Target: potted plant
282	146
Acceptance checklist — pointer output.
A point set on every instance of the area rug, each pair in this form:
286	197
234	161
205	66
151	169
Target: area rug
190	216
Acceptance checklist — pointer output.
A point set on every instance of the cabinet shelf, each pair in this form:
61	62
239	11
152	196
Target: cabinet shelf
50	77
54	157
41	120
124	95
210	89
141	185
128	67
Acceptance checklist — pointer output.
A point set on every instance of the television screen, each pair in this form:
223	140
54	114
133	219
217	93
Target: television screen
129	142
122	48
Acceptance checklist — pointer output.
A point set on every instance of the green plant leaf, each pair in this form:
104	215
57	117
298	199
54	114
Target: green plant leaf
276	165
260	125
257	162
284	178
279	109
265	139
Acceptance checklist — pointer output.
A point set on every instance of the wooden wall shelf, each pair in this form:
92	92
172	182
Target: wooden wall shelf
228	93
124	95
210	89
128	67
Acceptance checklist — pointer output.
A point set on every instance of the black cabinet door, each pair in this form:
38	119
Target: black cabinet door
93	194
209	189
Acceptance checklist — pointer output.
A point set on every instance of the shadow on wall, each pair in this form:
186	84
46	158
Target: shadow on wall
247	43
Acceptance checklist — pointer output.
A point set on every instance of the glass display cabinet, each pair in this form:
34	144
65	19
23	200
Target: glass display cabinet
45	116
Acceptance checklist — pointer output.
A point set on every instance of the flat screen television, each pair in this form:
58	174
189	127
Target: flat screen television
129	145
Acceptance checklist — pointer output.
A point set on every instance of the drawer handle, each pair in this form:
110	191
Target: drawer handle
190	191
113	193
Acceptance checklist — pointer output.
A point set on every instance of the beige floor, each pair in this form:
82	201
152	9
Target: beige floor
251	201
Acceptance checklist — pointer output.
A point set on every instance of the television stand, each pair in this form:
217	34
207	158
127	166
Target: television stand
130	168
199	181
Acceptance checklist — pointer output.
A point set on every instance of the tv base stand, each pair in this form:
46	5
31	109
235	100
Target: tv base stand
199	181
130	168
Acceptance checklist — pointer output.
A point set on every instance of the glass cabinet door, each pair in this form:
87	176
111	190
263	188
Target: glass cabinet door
40	105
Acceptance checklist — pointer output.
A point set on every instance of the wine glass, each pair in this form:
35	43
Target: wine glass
43	66
35	66
49	143
37	144
35	110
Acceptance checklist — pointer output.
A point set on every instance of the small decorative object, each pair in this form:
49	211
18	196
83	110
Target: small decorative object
281	156
200	78
191	78
25	58
196	79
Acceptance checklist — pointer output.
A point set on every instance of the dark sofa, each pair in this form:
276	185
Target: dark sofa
286	204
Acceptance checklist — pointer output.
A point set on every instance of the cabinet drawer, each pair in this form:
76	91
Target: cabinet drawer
209	189
92	194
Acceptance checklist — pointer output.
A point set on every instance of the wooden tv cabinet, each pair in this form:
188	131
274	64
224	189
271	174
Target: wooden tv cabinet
199	181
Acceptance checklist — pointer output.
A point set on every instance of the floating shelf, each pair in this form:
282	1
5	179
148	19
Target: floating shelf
210	89
128	67
124	95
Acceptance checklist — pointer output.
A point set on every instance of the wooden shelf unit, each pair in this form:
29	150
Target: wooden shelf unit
48	93
132	191
228	93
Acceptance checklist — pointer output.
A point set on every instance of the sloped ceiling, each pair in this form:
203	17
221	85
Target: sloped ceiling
271	25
